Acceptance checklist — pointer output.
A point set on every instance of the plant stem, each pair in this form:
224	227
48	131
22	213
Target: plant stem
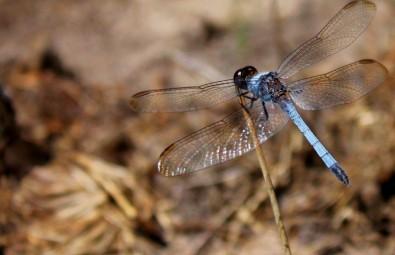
268	181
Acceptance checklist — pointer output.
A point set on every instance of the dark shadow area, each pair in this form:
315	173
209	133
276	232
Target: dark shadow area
387	187
50	61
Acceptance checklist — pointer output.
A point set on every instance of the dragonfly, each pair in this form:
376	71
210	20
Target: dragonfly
271	98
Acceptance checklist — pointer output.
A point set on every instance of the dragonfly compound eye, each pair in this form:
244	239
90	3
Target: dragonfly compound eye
242	74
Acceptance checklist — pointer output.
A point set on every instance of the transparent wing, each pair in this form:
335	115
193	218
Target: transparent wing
340	86
221	141
342	30
184	98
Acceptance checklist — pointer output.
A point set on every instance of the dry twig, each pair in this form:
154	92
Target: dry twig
268	181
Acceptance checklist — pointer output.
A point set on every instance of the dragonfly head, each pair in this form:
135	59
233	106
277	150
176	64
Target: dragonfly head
242	75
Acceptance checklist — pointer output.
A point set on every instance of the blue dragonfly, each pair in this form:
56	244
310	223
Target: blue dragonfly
271	98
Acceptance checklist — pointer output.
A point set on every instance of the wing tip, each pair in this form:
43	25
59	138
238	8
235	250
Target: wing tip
367	61
163	168
372	61
353	3
133	104
134	100
166	171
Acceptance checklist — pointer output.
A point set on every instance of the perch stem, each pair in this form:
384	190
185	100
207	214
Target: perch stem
268	181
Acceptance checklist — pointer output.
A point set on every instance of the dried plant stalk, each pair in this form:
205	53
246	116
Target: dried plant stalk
79	204
268	181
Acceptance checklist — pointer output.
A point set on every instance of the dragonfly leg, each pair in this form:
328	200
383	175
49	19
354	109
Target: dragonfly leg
252	99
265	111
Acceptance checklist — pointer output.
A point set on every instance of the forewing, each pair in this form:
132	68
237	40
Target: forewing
340	86
221	141
184	98
342	30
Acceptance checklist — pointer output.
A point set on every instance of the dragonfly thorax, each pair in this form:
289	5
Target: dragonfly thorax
266	86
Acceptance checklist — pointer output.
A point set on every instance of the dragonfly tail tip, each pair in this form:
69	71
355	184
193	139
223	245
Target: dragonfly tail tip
338	171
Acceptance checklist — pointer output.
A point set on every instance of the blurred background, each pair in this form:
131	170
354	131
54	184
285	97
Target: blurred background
78	167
